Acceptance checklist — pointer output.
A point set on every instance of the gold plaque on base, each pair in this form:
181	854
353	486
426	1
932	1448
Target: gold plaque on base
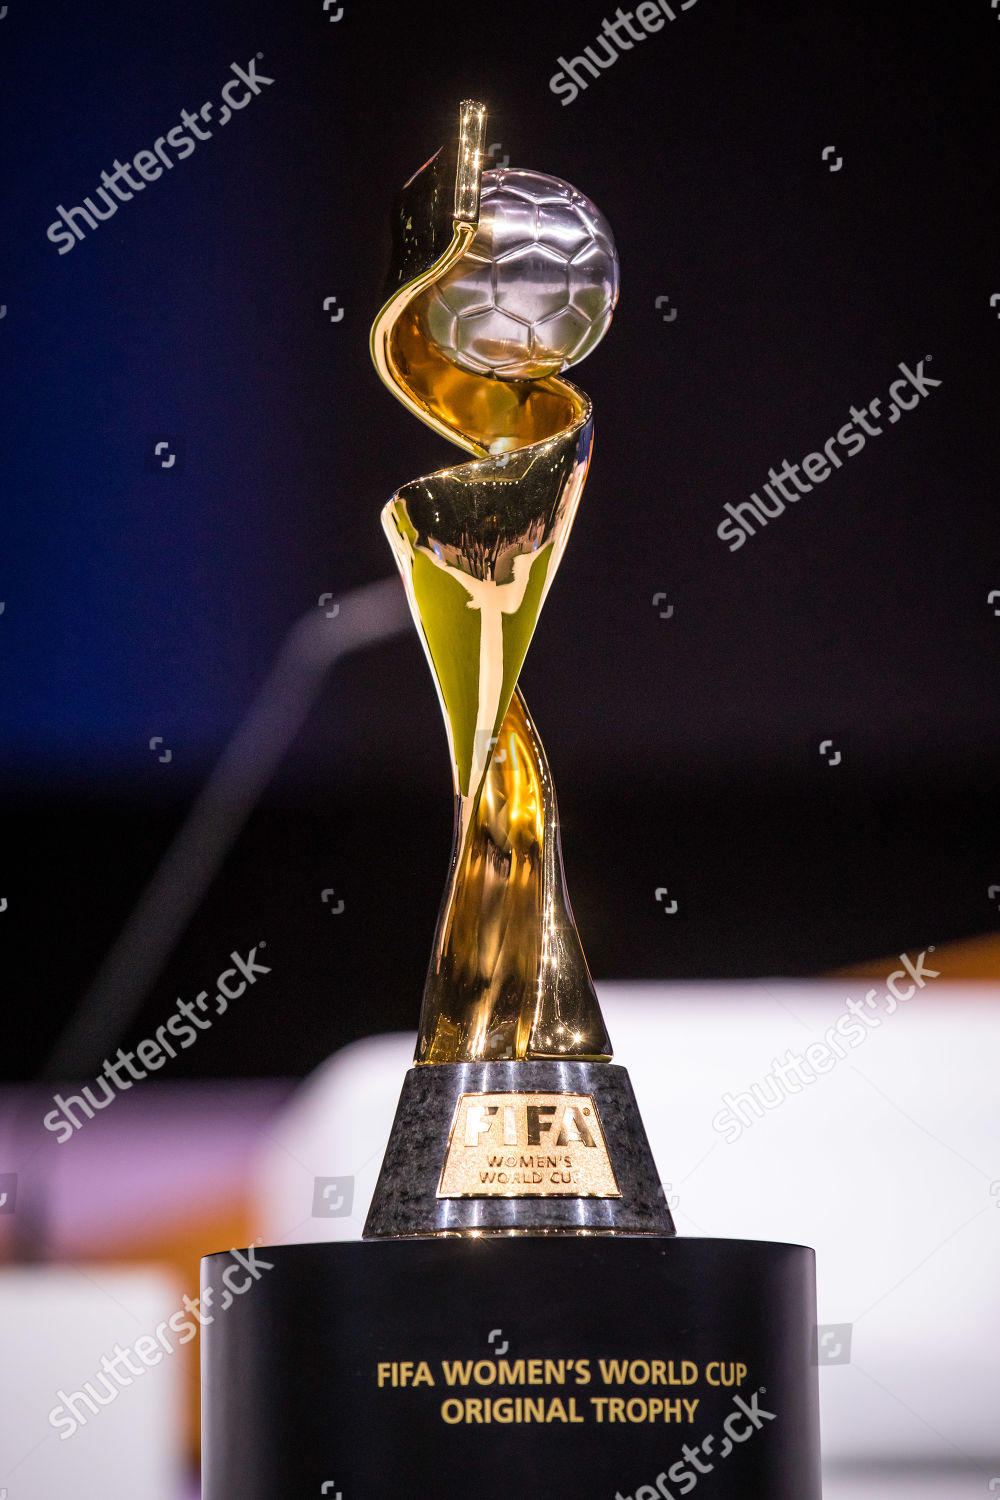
520	1145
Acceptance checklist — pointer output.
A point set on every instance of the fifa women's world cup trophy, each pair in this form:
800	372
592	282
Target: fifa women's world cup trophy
521	1317
511	277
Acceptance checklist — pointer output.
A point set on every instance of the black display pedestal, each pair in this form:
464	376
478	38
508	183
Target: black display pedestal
512	1367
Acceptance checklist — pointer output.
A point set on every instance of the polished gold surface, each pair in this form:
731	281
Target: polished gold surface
478	546
520	1145
469	170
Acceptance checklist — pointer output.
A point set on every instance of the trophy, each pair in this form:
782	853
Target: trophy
520	1311
513	1117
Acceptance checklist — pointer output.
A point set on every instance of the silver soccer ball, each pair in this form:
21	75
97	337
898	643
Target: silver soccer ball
535	290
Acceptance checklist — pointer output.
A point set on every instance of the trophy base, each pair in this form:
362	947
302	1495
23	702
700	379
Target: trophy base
528	1146
612	1367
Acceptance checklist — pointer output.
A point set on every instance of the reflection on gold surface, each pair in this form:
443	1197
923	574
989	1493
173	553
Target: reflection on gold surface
478	546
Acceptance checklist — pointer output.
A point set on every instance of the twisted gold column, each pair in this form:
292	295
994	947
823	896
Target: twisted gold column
478	546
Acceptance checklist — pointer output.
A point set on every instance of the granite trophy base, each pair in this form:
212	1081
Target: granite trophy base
601	1367
406	1199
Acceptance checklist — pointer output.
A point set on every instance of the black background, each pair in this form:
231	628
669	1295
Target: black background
685	750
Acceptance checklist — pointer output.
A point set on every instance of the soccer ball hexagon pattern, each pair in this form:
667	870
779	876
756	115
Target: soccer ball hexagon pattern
535	290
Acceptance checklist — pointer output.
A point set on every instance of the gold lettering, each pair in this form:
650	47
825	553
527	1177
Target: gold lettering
574	1128
478	1122
535	1122
504	1145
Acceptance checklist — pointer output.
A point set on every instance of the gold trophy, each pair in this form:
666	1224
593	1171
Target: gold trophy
513	1116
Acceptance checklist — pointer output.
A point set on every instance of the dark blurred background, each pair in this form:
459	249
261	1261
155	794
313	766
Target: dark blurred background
140	602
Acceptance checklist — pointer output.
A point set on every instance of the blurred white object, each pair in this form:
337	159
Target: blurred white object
887	1162
56	1326
910	1483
